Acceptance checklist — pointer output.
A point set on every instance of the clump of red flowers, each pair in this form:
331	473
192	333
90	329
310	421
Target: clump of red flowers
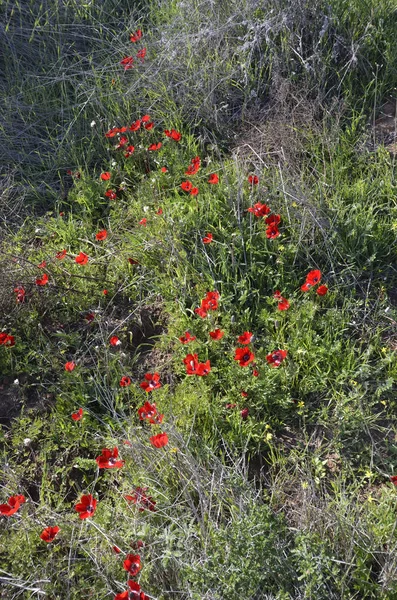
148	412
312	279
127	62
209	302
152	382
276	357
141	499
49	533
272	222
194	367
12	505
259	209
154	147
20	294
109	459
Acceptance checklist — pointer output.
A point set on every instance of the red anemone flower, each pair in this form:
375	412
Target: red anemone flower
129	151
185	339
60	255
187	186
42	265
159	211
127	62
43	280
272	231
276	357
217	334
86	507
149	126
154	147
70	366
132	564
78	415
145	119
135	125
111	194
105	176
194	191
201	312
109	459
20	292
164	170
173	134
49	533
213	178
147	412
6	339
114	341
393	479
244	413
116	549
246	338
255	373
152	382
322	290
13	504
283	303
89	317
141	499
143	222
134	593
81	259
101	235
207	239
244	356
135	37
259	209
193	367
312	278
160	440
125	381
141	54
253	179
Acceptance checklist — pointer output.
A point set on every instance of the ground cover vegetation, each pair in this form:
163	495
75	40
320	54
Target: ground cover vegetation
198	300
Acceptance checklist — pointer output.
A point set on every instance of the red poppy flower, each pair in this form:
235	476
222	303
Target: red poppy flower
213	178
122	142
134	592
194	166
132	564
244	356
147	411
201	312
193	367
154	147
185	339
211	300
159	211
135	37
129	151
112	132
246	338
101	235
272	231
105	292
187	186
141	54
217	334
173	134
160	440
135	125
49	533
114	341
322	290
393	479
89	317
70	366
127	63
244	394
6	339
244	413
312	278
207	239
255	373
145	119
283	303
143	222
149	126
109	459
164	170
43	280
105	176
194	191
60	255
20	292
141	499
42	265
78	415
203	369
276	358
111	194
259	209
86	507
253	179
152	382
81	259
13	504
125	381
